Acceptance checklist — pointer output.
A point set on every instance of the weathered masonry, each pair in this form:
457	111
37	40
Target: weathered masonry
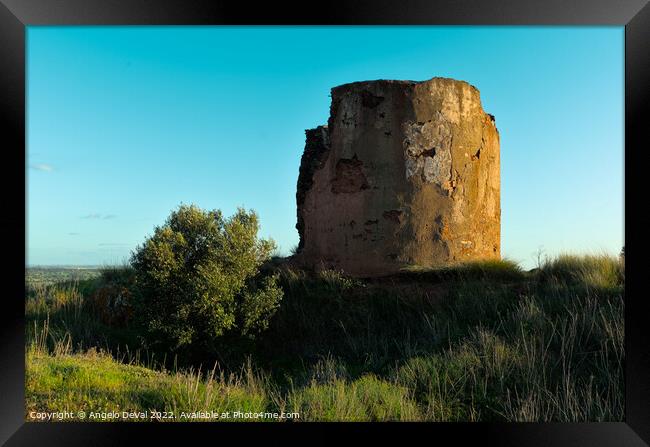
405	173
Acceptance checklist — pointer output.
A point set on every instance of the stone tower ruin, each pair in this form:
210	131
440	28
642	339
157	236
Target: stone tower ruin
404	174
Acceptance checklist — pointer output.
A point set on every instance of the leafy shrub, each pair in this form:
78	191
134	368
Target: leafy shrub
198	278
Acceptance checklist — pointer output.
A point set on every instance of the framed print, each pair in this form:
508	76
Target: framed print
367	219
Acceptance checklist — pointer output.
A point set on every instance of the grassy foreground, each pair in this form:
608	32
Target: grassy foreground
478	342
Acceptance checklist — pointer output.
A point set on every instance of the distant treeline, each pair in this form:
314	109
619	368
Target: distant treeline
46	275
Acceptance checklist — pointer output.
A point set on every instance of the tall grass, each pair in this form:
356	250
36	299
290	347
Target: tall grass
491	269
61	378
599	271
70	310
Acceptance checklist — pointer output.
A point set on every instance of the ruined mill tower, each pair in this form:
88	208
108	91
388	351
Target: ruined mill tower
405	173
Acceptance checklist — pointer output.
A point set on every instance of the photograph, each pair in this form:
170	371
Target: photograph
417	223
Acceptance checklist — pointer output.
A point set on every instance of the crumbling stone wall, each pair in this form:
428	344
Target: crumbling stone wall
405	173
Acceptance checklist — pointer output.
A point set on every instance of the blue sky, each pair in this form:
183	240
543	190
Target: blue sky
125	123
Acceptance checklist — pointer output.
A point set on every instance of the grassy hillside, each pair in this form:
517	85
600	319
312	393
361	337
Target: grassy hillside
482	341
94	382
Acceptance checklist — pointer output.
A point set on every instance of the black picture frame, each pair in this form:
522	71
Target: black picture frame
15	15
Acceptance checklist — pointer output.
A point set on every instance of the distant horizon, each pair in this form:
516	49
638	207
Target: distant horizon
126	123
101	266
71	266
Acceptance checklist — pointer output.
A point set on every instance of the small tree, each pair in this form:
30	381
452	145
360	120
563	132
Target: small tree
197	278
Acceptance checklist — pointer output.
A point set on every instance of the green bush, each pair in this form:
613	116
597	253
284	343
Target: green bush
198	279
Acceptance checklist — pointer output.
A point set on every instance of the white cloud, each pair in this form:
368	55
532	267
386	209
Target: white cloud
99	216
42	167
